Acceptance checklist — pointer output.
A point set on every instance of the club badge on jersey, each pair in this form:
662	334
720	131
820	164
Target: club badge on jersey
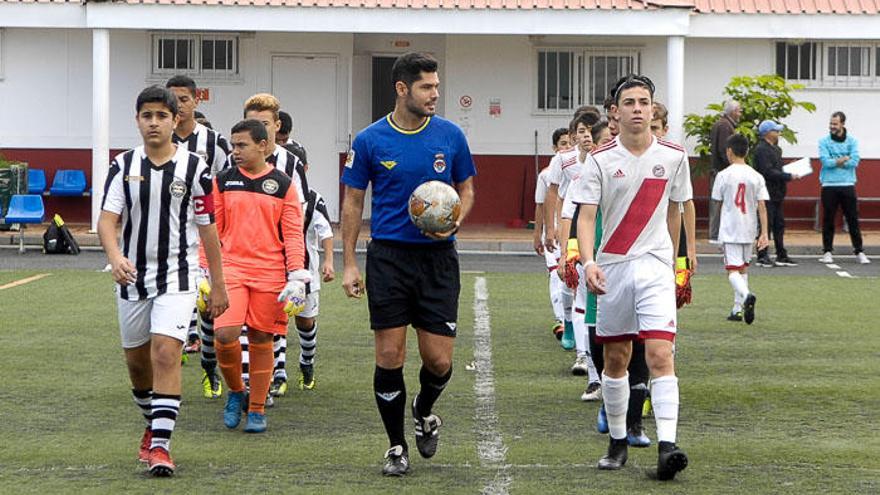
439	163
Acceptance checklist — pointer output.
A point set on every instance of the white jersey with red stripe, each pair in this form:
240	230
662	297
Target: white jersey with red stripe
542	185
739	187
633	193
563	167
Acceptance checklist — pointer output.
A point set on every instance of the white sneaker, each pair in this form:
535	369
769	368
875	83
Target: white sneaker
592	393
579	368
862	258
826	258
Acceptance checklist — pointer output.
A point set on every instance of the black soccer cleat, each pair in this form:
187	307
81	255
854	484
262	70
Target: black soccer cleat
616	457
670	461
427	432
396	461
749	309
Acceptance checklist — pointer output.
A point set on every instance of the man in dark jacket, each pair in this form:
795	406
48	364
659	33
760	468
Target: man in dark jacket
720	133
768	161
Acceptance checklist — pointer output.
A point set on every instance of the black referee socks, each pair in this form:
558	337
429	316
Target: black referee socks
391	400
432	387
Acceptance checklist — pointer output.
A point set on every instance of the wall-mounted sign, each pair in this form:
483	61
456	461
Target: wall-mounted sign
203	94
495	107
465	101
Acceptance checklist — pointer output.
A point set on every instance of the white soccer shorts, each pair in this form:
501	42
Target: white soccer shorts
168	314
639	302
736	256
313	305
552	259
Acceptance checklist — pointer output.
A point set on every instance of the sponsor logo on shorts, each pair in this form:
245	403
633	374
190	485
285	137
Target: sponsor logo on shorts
349	160
177	188
671	324
452	325
439	163
270	186
388	396
658	171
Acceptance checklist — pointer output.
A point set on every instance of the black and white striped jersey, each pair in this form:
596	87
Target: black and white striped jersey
208	144
161	207
290	164
316	222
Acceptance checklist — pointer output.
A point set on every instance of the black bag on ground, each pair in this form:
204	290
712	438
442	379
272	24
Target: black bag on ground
58	239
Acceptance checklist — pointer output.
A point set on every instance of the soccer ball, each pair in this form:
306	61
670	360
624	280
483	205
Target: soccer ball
434	207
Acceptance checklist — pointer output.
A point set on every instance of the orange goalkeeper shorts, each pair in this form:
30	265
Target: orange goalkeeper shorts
255	307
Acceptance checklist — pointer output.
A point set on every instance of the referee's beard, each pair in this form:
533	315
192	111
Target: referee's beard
417	110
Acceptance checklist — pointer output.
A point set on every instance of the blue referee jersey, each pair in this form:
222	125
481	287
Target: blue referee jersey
397	161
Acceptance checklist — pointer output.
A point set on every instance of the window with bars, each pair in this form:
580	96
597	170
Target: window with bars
202	55
569	78
830	64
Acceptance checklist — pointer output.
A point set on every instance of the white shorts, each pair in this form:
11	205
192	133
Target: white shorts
639	302
552	259
313	305
168	314
736	256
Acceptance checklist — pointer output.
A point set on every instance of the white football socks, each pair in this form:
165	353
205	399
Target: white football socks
615	393
664	400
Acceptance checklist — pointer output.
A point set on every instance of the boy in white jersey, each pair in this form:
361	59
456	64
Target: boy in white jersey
561	142
633	179
162	194
316	221
741	191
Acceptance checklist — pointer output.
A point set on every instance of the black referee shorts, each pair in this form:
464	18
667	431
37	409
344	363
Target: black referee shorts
413	284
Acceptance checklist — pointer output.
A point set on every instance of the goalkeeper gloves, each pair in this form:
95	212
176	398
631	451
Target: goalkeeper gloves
572	256
204	287
294	294
683	292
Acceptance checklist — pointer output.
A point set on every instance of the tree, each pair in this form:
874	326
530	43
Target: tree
766	97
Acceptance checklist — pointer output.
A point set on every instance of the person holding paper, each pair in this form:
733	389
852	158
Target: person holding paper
839	154
768	161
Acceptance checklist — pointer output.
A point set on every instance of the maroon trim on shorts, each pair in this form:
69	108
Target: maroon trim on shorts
602	339
552	269
580	311
657	334
735	267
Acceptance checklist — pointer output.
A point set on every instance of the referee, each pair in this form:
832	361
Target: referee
412	278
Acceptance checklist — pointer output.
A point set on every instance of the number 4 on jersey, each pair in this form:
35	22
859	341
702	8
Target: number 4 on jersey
740	199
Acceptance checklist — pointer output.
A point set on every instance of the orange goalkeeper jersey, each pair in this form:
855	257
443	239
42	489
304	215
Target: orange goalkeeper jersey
260	223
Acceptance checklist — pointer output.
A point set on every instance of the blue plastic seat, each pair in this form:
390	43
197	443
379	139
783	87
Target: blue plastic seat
36	181
68	183
24	209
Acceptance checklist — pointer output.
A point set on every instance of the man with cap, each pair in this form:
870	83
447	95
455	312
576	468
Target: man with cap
768	161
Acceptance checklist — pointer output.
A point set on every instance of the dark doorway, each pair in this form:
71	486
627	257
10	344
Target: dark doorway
383	90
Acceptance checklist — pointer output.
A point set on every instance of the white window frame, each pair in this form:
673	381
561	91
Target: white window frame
825	80
2	58
580	72
197	72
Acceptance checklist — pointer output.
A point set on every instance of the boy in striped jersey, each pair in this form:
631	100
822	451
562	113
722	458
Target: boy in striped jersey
317	230
162	193
214	148
259	218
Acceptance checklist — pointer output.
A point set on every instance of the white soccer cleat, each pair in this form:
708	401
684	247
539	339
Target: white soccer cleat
826	258
863	259
579	368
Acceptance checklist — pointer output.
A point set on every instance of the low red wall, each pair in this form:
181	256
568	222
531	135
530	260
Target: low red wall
505	188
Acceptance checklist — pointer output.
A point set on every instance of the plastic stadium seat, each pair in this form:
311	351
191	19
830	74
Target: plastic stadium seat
36	181
24	209
68	183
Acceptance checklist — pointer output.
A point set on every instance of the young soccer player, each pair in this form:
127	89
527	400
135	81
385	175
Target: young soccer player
260	222
213	148
561	142
317	230
633	180
741	191
162	193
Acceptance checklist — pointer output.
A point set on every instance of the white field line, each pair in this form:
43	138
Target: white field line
490	445
833	266
844	275
23	281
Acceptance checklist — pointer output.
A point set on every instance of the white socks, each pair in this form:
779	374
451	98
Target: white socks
740	285
615	393
664	400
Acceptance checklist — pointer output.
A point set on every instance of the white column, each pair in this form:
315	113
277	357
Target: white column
675	87
100	117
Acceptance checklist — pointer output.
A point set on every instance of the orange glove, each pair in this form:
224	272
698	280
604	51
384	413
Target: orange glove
683	291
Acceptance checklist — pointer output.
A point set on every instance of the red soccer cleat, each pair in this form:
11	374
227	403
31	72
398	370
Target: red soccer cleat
161	464
144	452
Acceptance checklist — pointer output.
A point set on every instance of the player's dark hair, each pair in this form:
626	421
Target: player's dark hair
597	129
661	113
286	122
632	81
157	94
588	118
182	82
557	135
198	115
254	127
609	100
584	109
738	145
840	115
409	67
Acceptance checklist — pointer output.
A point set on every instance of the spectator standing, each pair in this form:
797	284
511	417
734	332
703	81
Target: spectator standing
768	161
720	133
839	154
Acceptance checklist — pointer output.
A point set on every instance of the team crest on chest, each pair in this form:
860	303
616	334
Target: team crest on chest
177	188
439	163
270	186
658	171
